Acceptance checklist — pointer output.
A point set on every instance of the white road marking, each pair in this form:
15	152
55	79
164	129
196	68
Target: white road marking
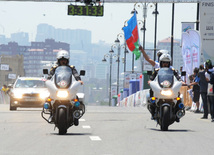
95	138
82	120
86	127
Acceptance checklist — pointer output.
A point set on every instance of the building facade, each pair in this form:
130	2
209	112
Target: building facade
10	68
35	55
177	55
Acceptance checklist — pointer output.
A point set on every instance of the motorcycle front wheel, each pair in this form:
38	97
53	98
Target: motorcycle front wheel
62	121
165	118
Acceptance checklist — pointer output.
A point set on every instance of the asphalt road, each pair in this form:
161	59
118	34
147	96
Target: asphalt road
104	131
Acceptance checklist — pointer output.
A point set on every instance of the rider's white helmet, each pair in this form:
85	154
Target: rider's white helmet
62	54
160	52
165	58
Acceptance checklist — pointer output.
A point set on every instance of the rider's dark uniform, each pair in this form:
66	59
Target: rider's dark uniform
74	72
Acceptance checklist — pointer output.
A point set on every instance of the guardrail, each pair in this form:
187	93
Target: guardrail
140	99
4	98
137	99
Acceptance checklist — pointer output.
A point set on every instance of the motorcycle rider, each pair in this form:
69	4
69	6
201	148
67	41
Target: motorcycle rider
165	62
63	60
155	64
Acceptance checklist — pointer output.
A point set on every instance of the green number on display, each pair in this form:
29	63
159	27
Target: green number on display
71	10
85	10
94	11
100	11
80	10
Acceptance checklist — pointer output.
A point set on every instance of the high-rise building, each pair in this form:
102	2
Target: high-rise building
21	38
77	38
3	39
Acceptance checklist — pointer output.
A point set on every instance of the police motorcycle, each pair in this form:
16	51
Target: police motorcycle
166	99
64	105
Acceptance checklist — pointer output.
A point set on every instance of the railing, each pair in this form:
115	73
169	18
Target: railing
4	98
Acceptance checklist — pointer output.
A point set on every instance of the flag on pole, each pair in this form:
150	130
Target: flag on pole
131	36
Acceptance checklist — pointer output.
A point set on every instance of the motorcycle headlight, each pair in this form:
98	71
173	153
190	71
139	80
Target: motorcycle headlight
62	93
44	95
166	92
17	95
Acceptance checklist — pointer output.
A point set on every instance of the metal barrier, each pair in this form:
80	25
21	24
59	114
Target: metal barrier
4	98
137	99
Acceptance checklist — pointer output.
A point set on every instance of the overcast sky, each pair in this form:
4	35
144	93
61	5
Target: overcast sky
25	16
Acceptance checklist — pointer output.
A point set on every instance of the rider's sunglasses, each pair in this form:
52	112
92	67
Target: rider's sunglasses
165	62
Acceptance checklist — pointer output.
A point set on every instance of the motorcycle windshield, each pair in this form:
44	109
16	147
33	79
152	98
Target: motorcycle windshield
165	77
63	76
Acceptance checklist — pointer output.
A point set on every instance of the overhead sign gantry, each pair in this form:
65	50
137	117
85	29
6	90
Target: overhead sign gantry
96	7
122	1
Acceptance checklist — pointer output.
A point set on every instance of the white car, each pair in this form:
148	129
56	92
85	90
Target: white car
28	92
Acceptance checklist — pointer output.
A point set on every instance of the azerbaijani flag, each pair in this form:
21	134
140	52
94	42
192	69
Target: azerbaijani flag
131	36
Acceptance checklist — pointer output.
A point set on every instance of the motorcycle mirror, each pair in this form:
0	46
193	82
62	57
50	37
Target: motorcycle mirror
149	72
183	73
82	72
45	71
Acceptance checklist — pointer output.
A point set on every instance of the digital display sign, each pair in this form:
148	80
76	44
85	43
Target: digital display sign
85	10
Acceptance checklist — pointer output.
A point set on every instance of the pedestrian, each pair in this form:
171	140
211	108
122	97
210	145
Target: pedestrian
211	97
203	90
209	77
4	89
196	89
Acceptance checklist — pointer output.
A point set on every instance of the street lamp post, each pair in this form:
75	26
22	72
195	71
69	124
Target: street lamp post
111	56
144	24
172	31
121	35
144	6
155	13
117	42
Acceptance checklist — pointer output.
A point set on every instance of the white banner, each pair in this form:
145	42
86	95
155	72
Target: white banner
113	90
130	76
186	52
4	67
191	45
207	29
195	47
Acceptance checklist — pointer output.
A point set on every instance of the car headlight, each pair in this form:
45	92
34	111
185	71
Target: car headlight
62	93
166	92
17	95
44	95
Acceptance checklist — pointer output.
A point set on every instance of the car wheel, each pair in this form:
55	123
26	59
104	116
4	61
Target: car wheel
12	107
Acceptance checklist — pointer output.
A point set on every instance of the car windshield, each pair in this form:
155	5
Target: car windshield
29	83
63	76
165	74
